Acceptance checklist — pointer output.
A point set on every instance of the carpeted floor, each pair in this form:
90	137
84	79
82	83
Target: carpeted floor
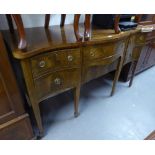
129	114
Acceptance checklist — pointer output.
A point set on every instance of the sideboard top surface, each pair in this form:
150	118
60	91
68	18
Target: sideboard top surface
40	39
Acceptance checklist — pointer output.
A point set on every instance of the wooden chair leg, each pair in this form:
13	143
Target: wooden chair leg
76	101
87	27
134	65
76	27
117	74
138	18
10	23
116	24
47	20
63	17
20	28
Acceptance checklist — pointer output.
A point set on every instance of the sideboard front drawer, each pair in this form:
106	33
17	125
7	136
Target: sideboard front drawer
57	82
102	51
55	60
140	39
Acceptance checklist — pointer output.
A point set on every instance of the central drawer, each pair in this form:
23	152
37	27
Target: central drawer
54	61
102	51
57	82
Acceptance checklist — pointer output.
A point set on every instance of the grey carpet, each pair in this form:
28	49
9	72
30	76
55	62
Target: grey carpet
128	115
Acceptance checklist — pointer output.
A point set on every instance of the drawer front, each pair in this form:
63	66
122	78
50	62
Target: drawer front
102	51
55	60
140	39
57	82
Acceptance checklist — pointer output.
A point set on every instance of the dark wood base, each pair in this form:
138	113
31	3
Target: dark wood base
17	129
151	136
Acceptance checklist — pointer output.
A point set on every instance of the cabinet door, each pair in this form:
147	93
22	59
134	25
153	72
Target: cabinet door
10	99
145	52
151	59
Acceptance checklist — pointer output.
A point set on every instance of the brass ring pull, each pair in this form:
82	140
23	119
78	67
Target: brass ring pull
42	63
141	38
57	81
70	58
92	53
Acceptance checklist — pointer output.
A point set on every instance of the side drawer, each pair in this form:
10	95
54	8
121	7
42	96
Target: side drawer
55	60
140	38
57	82
102	51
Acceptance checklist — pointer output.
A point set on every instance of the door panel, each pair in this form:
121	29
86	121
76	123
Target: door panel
10	98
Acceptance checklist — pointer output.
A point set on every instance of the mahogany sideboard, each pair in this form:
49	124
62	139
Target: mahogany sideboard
14	121
147	57
54	61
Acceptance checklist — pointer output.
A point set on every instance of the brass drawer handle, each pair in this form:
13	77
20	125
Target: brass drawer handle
141	38
57	81
42	63
70	58
92	53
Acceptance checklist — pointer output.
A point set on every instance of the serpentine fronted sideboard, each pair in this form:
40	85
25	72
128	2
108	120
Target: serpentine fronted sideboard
54	61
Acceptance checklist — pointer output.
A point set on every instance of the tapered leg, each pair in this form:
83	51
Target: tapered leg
134	65
36	111
117	74
87	27
47	20
76	27
20	27
76	101
116	24
10	23
63	17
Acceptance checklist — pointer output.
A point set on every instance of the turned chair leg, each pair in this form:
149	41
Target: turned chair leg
138	18
20	28
116	24
47	20
117	74
76	27
87	27
134	65
63	17
76	101
10	23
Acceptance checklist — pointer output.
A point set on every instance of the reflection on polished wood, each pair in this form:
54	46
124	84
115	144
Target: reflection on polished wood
40	39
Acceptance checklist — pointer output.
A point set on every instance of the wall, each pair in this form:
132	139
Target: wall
35	20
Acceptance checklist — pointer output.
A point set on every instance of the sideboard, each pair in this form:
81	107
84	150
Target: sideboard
147	56
54	61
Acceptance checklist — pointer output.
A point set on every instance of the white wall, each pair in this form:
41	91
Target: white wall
35	20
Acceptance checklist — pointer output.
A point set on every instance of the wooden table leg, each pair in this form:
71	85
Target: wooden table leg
76	101
134	65
87	27
117	74
76	27
20	28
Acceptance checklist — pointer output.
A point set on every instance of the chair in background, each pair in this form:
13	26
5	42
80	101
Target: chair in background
21	32
76	25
